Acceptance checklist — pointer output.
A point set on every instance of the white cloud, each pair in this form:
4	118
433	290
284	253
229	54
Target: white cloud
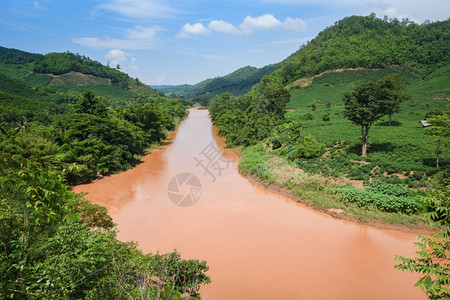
137	38
294	24
119	57
196	29
116	56
139	9
222	26
262	22
108	43
142	33
248	25
133	65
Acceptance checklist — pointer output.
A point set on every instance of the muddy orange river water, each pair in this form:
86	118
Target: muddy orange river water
258	245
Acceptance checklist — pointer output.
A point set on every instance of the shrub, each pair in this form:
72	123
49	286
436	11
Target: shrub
385	197
309	147
434	112
326	117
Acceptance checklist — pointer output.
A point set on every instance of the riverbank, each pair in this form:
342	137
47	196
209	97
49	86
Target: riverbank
278	175
257	244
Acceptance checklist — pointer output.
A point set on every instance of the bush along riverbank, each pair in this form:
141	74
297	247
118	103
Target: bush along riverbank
378	204
385	186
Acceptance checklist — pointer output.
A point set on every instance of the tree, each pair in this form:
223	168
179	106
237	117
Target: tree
434	256
391	92
370	101
55	245
89	104
363	108
440	130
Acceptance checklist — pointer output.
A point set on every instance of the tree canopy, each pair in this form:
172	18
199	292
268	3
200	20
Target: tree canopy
369	101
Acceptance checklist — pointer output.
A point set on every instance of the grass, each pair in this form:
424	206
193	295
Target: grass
314	190
399	156
403	148
109	91
77	79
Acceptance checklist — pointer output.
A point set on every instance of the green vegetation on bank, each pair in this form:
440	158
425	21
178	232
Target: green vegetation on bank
62	128
97	122
55	245
315	136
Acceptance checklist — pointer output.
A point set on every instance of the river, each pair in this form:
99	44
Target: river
258	245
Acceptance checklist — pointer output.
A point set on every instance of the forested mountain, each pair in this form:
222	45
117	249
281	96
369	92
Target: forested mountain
369	42
237	83
357	43
63	108
69	71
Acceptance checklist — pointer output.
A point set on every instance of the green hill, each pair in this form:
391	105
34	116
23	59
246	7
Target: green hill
371	43
69	71
68	110
237	83
179	90
315	134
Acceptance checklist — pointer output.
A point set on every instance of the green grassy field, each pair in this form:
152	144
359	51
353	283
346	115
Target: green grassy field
403	148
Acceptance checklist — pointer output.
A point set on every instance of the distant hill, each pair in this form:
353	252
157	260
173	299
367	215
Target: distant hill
370	43
238	83
67	71
180	90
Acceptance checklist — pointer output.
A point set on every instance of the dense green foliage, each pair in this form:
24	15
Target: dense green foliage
433	258
88	135
57	246
14	56
382	196
61	63
369	101
369	42
98	135
249	119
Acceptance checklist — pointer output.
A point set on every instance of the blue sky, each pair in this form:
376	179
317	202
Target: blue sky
176	42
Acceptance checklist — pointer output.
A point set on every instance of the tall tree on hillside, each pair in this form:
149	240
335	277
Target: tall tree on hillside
363	108
270	96
370	101
89	104
391	92
440	130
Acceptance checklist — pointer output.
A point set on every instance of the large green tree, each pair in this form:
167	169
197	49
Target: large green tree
90	104
369	101
391	92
